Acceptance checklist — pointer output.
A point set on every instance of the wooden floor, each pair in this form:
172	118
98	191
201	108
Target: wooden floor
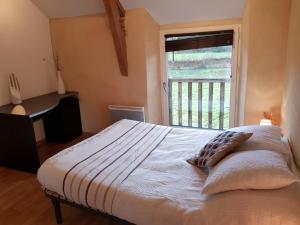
22	201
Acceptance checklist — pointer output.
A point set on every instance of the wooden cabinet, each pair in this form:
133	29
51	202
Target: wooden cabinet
63	124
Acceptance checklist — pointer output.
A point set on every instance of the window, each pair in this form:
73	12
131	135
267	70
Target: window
199	69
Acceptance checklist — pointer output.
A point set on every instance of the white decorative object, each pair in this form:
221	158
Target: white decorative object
15	90
60	84
18	110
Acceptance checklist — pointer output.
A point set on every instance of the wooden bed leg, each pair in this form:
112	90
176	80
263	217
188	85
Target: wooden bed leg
57	210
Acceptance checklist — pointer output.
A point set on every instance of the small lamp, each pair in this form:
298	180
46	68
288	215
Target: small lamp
18	110
267	120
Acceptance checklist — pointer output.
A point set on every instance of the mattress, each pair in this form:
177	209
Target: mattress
138	172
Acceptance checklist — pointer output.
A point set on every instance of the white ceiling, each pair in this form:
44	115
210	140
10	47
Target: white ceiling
69	8
163	11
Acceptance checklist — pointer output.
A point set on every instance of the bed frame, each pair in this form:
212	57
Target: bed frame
57	199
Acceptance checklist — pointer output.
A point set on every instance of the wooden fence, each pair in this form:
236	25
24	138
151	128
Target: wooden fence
200	83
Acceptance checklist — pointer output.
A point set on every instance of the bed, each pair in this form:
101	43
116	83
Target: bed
138	172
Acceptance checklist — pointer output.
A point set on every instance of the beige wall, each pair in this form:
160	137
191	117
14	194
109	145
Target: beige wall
89	64
265	27
292	101
25	49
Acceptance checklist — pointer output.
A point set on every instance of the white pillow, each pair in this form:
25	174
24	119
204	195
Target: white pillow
260	169
264	137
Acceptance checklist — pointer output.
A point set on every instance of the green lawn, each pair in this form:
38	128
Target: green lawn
200	65
205	73
184	56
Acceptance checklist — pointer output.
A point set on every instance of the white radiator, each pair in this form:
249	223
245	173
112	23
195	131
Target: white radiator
126	112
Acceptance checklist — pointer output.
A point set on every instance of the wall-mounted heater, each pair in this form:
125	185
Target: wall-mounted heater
126	112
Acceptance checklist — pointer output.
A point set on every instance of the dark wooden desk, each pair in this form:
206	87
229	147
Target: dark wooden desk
62	123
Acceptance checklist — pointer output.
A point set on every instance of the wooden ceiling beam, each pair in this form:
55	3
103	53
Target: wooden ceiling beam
121	8
116	17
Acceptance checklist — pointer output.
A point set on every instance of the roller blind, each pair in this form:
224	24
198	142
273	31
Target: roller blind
179	42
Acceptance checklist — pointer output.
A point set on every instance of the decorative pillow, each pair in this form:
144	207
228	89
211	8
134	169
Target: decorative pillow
219	147
194	161
260	169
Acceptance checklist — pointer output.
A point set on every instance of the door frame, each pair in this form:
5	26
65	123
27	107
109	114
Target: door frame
234	98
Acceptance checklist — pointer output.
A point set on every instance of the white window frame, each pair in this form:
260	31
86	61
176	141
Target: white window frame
235	68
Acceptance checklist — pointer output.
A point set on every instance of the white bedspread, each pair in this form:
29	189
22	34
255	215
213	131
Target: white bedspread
150	182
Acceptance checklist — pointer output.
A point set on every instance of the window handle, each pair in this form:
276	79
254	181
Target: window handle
165	87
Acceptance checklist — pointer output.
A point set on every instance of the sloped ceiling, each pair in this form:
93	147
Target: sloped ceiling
163	11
